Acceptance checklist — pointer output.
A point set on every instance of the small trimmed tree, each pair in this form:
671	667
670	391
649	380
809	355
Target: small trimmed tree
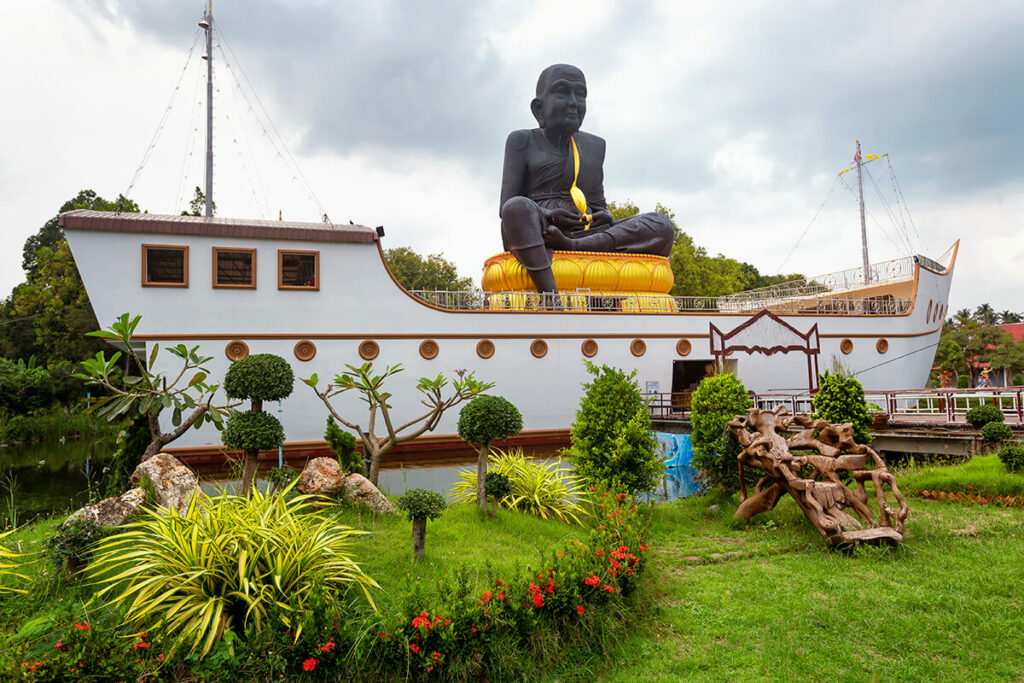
344	446
497	486
841	399
258	377
717	400
612	443
421	505
481	421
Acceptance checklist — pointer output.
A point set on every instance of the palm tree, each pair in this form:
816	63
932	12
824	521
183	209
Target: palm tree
1009	318
985	314
963	315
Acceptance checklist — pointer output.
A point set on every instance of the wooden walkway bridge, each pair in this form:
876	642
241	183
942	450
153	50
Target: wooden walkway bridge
908	421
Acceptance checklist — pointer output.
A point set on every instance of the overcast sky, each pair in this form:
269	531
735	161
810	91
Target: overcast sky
738	117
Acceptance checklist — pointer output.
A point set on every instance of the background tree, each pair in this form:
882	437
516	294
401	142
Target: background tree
197	207
985	314
344	446
370	386
1010	318
612	443
259	377
841	399
483	420
147	394
49	315
430	273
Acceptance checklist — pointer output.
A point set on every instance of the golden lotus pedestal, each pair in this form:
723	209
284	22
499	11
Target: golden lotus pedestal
587	281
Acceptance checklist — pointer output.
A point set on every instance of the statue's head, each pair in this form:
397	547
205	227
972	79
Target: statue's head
561	101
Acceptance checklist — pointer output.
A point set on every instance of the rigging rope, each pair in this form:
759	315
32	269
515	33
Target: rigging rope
902	199
294	166
901	231
163	119
193	128
828	196
872	217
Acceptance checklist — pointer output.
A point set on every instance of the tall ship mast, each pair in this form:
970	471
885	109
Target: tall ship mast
206	23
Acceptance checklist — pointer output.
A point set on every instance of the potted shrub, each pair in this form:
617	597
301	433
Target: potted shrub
421	505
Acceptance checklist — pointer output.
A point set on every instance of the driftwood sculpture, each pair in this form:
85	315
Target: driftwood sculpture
821	494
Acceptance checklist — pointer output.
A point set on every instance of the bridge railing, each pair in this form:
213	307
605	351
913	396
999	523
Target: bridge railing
911	405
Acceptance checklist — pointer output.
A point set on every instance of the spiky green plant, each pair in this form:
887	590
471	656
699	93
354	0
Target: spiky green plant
538	488
221	566
6	567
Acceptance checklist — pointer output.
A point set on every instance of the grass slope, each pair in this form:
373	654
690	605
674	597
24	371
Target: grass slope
729	602
985	475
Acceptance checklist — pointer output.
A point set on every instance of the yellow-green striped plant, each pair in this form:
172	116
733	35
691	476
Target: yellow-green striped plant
222	565
539	488
7	565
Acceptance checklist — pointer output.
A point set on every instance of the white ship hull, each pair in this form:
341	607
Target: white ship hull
358	300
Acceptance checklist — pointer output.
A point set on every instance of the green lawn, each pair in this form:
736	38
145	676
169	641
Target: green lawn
729	602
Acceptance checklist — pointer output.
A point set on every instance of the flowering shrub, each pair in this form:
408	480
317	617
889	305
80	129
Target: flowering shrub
91	651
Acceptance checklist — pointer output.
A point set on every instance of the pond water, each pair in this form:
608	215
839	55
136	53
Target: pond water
52	478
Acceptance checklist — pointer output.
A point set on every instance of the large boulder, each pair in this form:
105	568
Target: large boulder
322	477
175	484
359	491
111	511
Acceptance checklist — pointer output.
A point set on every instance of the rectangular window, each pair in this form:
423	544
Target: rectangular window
234	268
298	270
164	265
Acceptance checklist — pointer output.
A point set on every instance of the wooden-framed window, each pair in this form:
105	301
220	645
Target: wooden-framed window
164	265
298	269
234	268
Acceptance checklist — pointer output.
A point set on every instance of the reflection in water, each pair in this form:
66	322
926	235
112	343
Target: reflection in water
51	477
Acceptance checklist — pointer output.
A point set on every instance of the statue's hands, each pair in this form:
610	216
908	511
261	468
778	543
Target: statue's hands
601	219
564	218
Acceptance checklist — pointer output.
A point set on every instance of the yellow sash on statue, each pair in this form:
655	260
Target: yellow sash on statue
578	198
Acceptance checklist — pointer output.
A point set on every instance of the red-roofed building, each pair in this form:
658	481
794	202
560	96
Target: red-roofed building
1017	330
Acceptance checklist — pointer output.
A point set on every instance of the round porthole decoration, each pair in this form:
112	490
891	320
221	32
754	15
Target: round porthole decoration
589	348
684	347
539	348
236	350
638	347
846	346
305	350
369	349
429	349
882	345
485	348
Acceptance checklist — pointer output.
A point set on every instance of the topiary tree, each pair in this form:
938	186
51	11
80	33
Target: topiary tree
481	421
979	416
963	382
344	446
258	377
996	432
841	399
421	505
716	401
1012	456
497	486
612	443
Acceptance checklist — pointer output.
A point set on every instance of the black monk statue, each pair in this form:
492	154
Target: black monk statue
552	186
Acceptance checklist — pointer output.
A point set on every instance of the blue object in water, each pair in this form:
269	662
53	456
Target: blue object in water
680	478
675	449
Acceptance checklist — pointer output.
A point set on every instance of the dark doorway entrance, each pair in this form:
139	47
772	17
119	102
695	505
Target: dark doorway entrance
686	375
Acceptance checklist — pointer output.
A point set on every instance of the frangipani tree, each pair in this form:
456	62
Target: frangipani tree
370	387
147	394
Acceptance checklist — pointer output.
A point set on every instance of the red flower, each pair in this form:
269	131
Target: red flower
435	655
309	664
538	600
328	646
609	589
602	527
501	596
579	609
599	552
485	597
83	626
643	547
414	647
138	645
593	488
559	553
592	580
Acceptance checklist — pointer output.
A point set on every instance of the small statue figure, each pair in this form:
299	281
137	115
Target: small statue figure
552	186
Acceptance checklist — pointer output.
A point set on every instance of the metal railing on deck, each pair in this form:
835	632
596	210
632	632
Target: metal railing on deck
936	406
585	301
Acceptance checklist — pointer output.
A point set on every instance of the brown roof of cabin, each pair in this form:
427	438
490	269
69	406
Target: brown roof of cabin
84	219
